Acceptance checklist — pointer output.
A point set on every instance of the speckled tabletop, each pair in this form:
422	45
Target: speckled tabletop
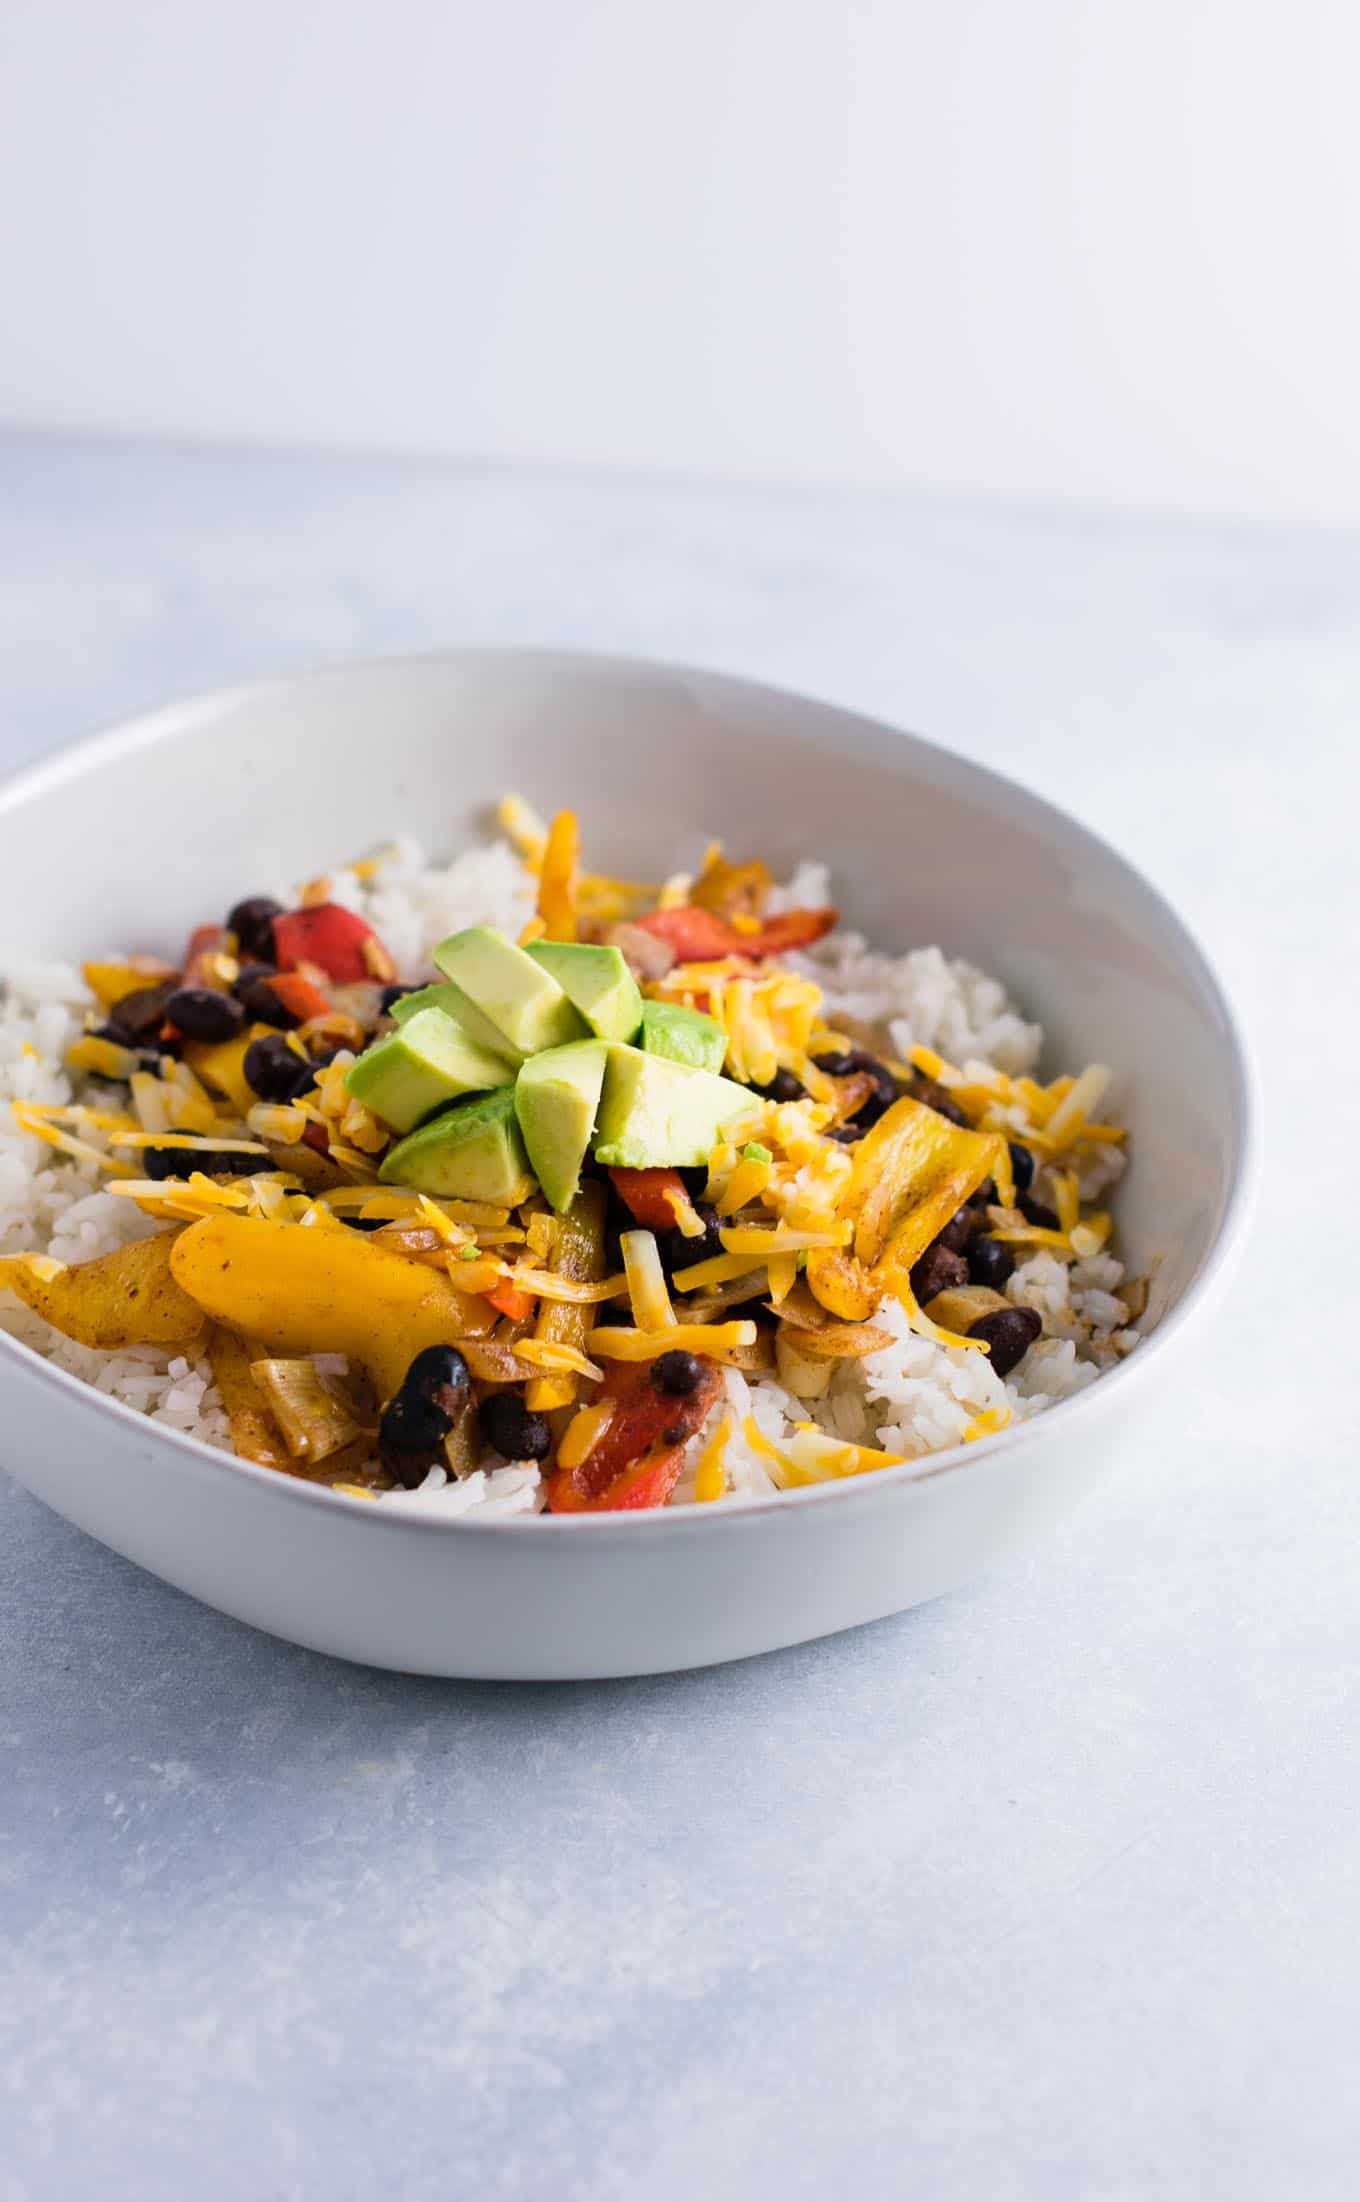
1049	1890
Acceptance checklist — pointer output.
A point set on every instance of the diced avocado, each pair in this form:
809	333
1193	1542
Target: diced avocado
685	1035
597	981
522	1000
427	1061
557	1095
472	1152
655	1112
455	1003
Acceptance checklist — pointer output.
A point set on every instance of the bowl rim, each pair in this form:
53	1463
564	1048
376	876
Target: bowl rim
177	718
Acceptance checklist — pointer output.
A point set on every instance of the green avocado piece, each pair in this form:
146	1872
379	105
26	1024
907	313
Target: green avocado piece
523	1001
685	1035
472	1152
557	1095
654	1112
597	981
455	1003
427	1061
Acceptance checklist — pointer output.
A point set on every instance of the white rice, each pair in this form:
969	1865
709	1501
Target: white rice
911	1398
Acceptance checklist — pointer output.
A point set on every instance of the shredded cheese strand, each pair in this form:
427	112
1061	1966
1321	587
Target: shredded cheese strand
647	1294
717	1340
710	1478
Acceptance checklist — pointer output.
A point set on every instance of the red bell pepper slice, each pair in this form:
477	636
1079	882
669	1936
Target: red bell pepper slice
697	936
636	1462
701	936
793	929
507	1299
298	995
644	1194
337	940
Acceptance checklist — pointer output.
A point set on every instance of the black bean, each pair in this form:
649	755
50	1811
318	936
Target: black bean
273	1071
886	1091
940	1269
990	1263
409	1465
1022	1166
440	1374
262	1005
249	975
1037	1212
957	1234
140	1014
411	1439
678	1252
252	921
201	1013
844	1063
363	1223
677	1374
163	1162
783	1087
511	1430
694	1180
391	995
846	1135
935	1097
984	1196
1010	1332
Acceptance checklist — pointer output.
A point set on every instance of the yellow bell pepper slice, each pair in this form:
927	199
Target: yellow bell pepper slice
300	1292
127	1298
221	1066
911	1172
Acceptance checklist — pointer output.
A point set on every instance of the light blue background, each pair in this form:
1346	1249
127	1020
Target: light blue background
1049	1890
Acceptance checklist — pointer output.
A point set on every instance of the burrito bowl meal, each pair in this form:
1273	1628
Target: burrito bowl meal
501	1187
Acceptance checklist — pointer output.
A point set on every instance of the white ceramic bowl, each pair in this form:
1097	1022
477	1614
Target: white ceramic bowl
131	837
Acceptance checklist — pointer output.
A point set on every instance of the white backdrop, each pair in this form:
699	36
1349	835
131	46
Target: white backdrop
1091	249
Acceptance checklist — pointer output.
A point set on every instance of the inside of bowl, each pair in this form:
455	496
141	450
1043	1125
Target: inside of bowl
168	823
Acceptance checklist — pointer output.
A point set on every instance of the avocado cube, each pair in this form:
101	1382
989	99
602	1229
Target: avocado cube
557	1095
597	981
522	1000
472	1152
655	1113
454	1003
685	1035
429	1060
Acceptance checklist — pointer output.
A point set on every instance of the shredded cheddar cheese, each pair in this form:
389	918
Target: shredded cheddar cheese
920	1322
718	1340
647	1294
583	1433
688	1222
520	823
546	1353
987	1423
1066	1199
720	1269
710	1478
